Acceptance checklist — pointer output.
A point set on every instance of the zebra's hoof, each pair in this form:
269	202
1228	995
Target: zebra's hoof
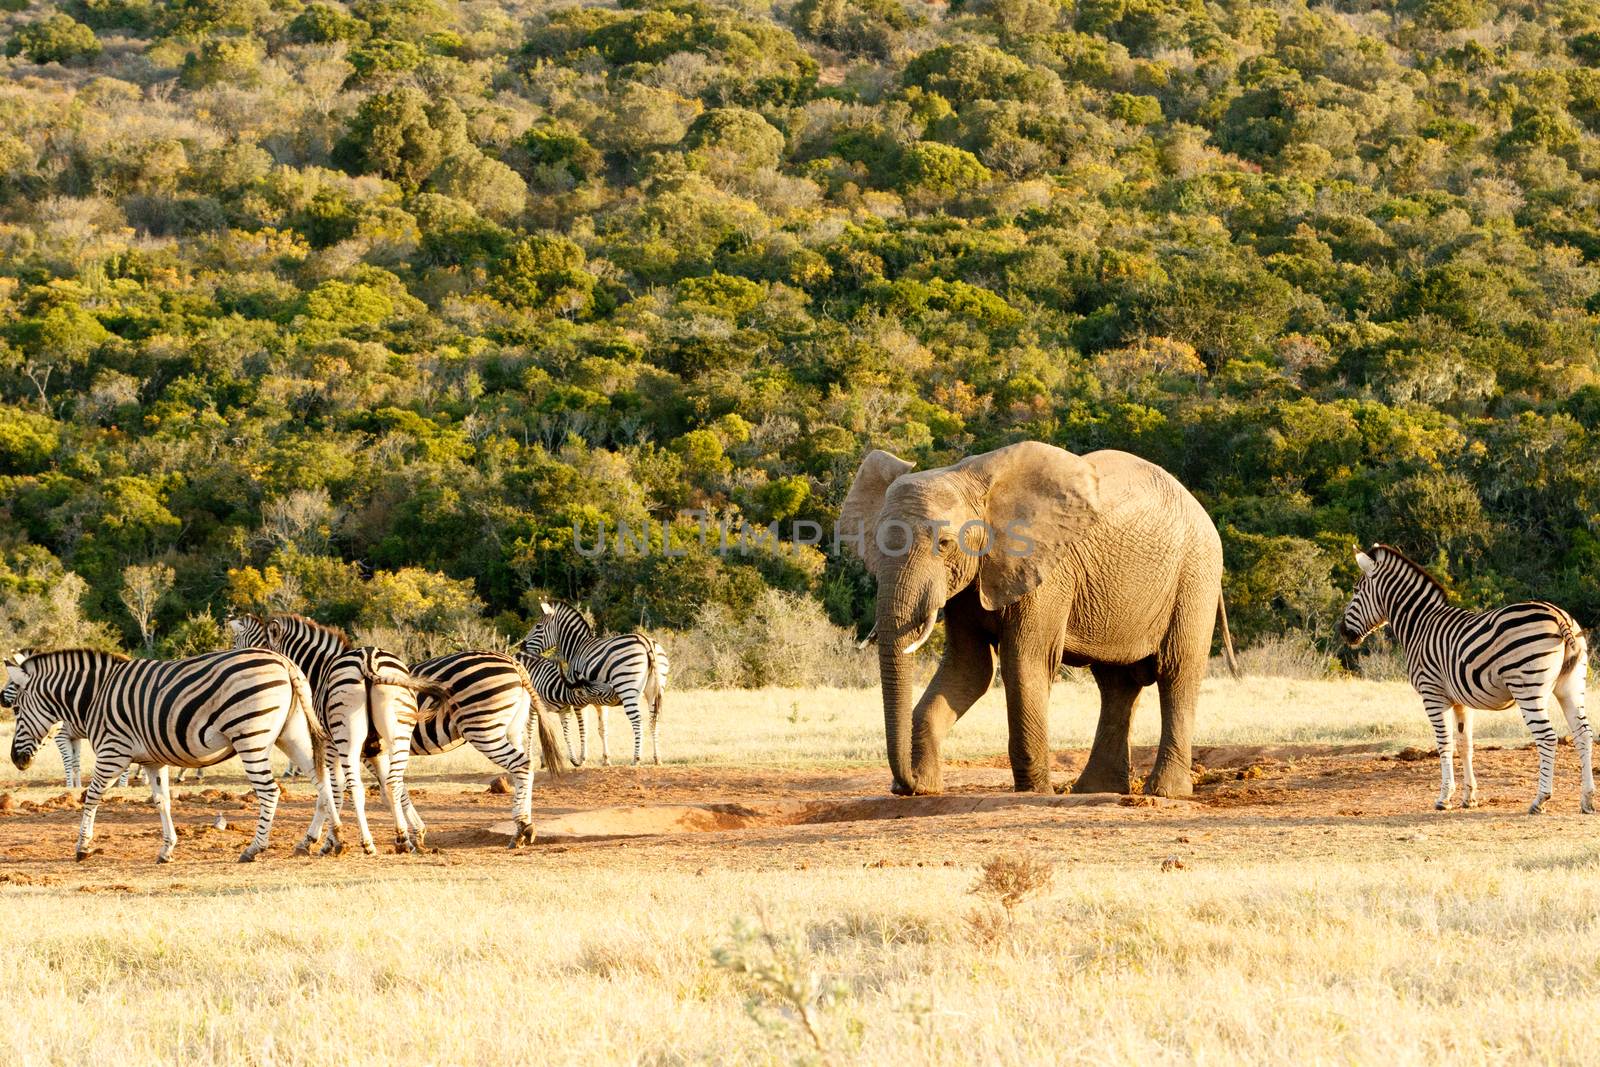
403	845
1537	807
1586	804
247	856
1470	802
369	848
1440	805
83	854
524	835
302	849
419	840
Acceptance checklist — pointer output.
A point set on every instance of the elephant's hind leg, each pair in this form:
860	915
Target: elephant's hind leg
1173	774
1110	767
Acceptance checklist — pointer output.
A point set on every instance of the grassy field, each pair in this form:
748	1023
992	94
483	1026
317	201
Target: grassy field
1404	942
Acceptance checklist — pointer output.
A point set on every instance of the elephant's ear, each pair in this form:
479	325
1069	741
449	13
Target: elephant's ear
858	515
1041	499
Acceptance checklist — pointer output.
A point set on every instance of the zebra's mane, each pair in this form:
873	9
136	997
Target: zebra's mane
564	605
1418	568
315	625
115	657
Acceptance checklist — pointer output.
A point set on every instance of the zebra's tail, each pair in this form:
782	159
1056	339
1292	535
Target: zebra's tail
1227	638
442	699
1577	646
301	690
555	757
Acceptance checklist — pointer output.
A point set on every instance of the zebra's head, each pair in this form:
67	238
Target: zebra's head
35	719
1368	610
560	628
247	631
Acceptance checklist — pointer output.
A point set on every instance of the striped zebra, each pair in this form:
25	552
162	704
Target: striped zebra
366	699
71	746
1525	654
497	711
566	700
181	713
627	670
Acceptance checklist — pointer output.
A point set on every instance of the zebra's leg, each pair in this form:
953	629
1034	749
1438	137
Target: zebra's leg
355	734
258	769
107	767
1534	704
583	736
162	796
1569	691
338	785
419	829
633	707
566	736
68	747
503	748
393	765
655	719
1469	777
1446	748
320	815
605	749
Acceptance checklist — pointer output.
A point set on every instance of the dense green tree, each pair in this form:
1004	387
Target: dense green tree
57	38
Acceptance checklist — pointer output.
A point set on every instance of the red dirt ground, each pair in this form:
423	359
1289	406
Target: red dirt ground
1278	802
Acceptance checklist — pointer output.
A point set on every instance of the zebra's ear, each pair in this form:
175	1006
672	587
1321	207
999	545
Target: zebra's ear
546	608
16	675
1365	562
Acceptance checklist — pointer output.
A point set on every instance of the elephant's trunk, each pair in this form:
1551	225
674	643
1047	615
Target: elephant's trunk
904	625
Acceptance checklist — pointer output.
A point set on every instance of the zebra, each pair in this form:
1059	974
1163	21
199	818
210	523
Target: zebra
367	701
70	745
159	713
563	698
627	670
1460	660
496	710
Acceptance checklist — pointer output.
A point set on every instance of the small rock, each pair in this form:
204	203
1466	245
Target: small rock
1410	754
220	824
1172	863
7	802
500	785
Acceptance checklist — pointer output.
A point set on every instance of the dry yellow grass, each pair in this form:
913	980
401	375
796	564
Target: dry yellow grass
1477	950
1470	961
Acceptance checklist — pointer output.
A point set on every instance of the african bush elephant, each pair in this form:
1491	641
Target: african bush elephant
1044	558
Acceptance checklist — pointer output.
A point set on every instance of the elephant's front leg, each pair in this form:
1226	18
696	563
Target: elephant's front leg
1027	675
1110	768
964	675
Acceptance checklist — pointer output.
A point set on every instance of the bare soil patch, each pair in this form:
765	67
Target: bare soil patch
1306	800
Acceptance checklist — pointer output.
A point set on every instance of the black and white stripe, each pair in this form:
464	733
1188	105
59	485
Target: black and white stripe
566	701
70	744
366	699
496	710
181	713
629	670
1529	654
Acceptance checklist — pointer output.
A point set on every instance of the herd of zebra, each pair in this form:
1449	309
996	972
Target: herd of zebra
295	684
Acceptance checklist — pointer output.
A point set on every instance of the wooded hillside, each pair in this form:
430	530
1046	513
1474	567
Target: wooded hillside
357	309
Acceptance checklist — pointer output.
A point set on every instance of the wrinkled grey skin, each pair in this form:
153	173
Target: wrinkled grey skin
1124	576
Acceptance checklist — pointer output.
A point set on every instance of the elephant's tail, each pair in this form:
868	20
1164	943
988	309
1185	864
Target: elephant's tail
1227	638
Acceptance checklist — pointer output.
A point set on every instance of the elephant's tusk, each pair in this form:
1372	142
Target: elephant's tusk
922	638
